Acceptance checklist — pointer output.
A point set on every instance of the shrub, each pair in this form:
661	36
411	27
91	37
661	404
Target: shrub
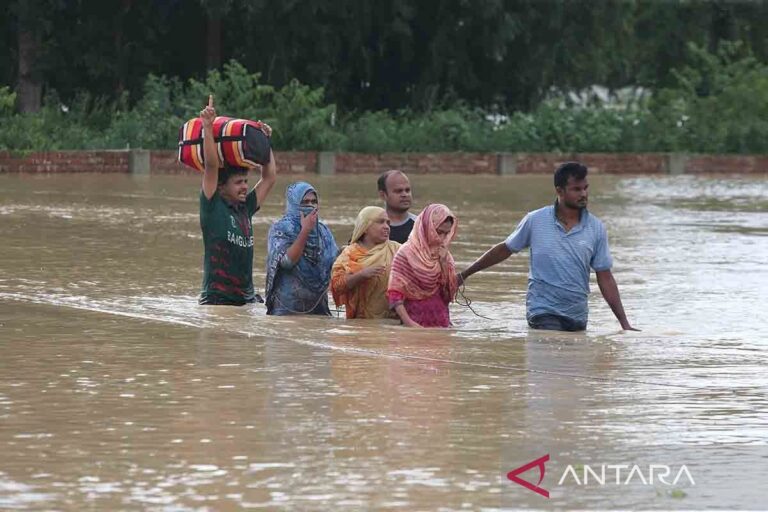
718	104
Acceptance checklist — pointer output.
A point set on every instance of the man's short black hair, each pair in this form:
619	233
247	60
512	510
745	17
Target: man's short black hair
228	171
569	169
382	181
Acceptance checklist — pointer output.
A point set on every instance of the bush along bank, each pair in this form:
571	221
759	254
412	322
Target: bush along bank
718	105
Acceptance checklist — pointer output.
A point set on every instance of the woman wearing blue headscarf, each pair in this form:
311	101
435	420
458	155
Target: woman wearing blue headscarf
300	255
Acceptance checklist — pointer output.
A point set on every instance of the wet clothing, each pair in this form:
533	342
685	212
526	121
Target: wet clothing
369	298
558	280
555	323
400	232
301	287
430	312
423	276
228	258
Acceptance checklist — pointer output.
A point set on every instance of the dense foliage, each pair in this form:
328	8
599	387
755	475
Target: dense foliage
392	75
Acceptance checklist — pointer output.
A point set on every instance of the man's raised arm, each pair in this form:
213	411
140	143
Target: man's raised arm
268	178
211	171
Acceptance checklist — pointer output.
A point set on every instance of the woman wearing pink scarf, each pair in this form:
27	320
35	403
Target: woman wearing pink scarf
423	279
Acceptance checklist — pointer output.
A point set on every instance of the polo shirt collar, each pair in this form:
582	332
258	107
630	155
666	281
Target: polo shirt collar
582	217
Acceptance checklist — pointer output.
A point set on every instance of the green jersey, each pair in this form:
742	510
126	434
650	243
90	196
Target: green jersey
228	241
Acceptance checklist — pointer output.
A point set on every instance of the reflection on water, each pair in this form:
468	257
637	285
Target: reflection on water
119	392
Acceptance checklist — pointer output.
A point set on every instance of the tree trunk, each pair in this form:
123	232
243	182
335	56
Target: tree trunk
213	56
721	26
30	87
120	50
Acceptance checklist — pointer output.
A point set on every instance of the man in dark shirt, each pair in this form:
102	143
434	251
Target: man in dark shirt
395	191
226	208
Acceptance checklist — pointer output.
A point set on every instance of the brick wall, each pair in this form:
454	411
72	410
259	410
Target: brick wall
160	161
598	163
297	162
290	162
416	163
166	162
727	164
65	161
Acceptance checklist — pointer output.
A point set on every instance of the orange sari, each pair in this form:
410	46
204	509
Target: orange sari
369	298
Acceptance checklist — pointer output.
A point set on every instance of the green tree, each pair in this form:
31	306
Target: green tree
718	104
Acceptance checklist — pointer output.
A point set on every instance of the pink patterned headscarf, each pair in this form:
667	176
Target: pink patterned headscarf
423	264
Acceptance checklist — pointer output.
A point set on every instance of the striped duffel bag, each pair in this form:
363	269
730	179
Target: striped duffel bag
240	143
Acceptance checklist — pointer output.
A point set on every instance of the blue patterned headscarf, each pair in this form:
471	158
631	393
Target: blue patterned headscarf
313	271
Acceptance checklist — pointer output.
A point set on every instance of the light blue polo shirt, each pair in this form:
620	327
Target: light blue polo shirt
558	280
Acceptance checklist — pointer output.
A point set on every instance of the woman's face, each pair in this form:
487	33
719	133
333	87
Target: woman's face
444	230
378	232
308	203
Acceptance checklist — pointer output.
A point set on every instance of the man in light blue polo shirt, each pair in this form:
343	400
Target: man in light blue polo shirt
566	241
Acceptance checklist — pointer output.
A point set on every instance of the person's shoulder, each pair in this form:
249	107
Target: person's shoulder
541	213
409	220
207	205
281	225
401	246
594	220
214	196
252	201
349	250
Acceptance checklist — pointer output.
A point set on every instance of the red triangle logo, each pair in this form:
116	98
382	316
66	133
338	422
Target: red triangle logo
513	475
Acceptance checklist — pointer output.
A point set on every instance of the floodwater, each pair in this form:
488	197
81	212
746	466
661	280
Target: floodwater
119	392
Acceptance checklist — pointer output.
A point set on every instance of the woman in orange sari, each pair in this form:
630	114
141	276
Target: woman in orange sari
361	272
423	279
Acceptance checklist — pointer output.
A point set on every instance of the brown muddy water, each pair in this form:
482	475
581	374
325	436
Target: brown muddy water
119	392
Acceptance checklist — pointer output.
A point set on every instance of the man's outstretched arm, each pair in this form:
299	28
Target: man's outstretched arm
610	291
492	256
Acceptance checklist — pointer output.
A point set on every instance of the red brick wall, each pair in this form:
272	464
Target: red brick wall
598	163
167	161
289	162
736	164
65	161
297	162
416	163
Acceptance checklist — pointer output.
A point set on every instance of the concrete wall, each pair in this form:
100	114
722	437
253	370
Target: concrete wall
298	162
